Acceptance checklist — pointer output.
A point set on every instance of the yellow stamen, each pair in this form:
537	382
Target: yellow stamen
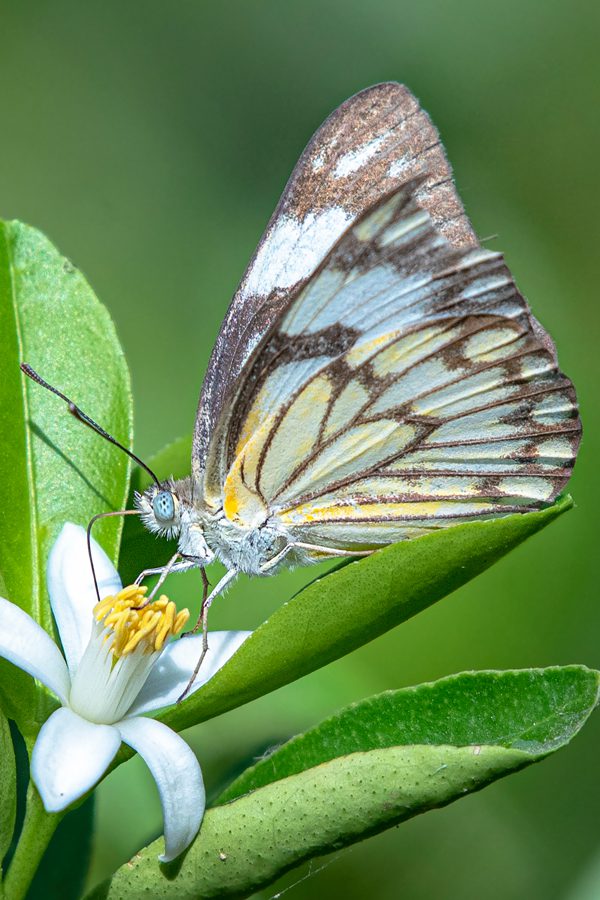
165	626
129	627
134	594
180	620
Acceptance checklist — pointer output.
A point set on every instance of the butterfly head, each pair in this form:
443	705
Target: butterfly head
160	509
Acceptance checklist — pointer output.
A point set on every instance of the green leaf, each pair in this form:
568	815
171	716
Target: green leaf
398	760
139	548
64	866
173	461
536	710
53	469
353	605
8	787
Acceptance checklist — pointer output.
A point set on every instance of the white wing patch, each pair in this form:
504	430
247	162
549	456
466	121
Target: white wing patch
293	250
355	159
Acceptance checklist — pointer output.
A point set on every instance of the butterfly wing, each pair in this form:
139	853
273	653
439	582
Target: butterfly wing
370	145
405	387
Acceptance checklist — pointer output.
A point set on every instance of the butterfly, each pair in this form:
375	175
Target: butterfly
377	377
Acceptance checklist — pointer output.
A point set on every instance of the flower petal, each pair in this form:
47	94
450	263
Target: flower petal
178	777
72	591
70	756
26	644
172	672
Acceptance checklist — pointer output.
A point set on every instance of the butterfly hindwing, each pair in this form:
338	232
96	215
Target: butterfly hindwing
406	386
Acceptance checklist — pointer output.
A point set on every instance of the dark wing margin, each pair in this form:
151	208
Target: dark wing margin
369	146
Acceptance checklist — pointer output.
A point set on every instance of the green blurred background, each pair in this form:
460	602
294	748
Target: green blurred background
150	141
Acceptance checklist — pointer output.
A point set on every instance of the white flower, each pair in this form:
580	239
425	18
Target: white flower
116	666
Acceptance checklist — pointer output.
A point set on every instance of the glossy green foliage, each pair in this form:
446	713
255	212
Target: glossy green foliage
535	710
62	870
8	787
52	468
372	766
64	866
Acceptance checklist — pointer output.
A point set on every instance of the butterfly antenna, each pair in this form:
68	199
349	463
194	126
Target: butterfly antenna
83	417
104	515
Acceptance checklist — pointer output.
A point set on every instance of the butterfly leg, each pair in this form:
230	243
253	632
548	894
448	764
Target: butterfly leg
300	545
205	585
331	551
175	564
206	602
275	560
203	623
182	566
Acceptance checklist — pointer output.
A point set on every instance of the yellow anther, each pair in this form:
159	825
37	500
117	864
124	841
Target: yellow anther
102	607
117	620
126	599
133	590
142	632
128	627
180	620
162	602
164	629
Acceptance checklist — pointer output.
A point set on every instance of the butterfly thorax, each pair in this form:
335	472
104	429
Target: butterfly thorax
247	549
206	534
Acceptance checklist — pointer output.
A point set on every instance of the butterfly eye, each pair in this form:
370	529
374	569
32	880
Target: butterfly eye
163	506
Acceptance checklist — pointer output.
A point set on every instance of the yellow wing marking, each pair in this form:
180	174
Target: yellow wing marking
364	350
254	419
241	501
406	351
492	344
315	513
273	451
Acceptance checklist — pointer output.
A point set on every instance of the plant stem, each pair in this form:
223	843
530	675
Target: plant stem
38	828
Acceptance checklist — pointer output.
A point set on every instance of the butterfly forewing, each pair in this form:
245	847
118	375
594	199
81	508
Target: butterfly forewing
405	387
372	144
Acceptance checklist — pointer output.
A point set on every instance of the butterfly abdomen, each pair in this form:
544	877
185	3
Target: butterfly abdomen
245	549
